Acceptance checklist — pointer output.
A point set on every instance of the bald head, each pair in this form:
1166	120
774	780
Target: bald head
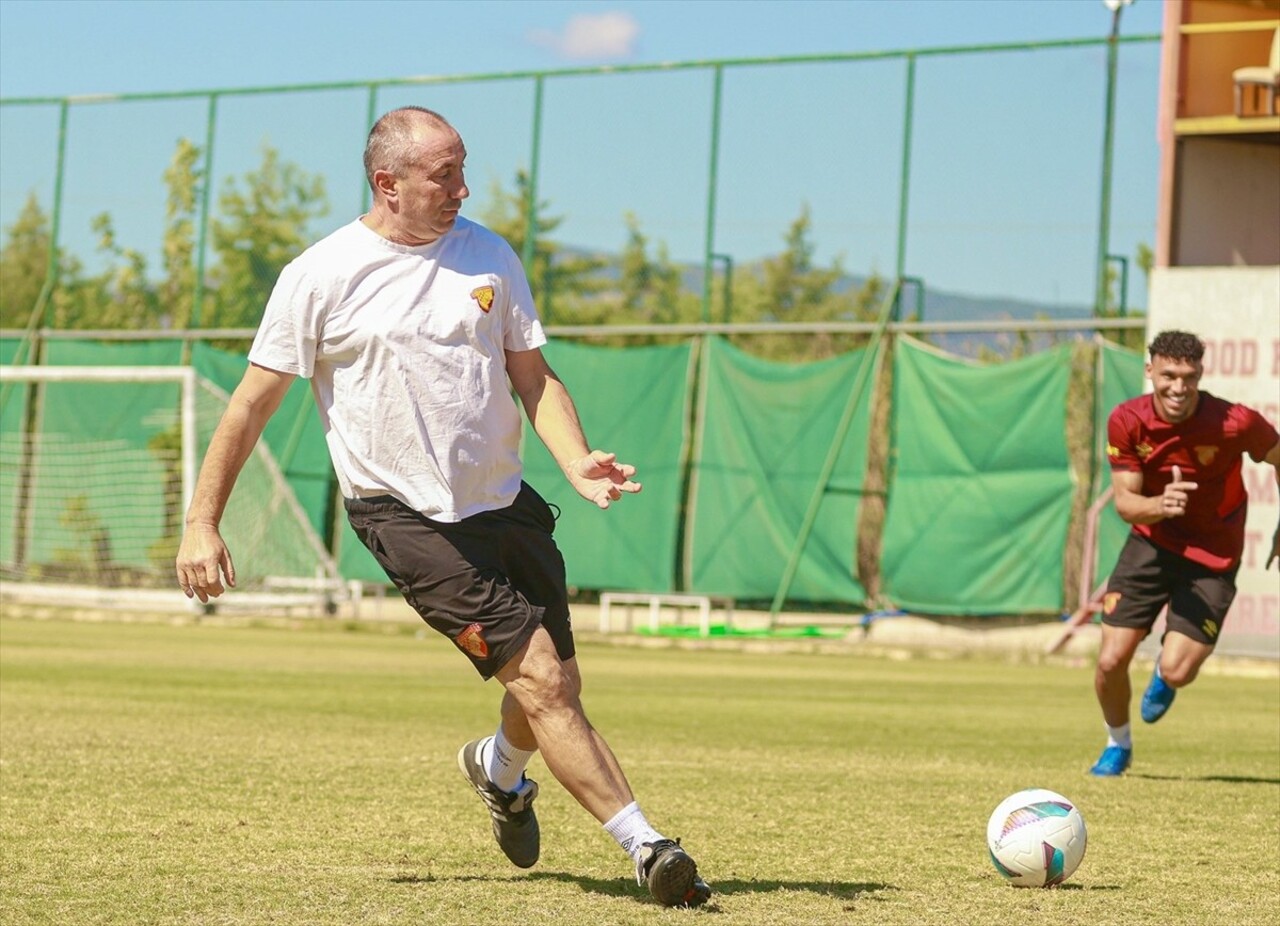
391	140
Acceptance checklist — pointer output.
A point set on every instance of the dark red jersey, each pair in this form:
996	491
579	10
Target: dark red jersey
1208	447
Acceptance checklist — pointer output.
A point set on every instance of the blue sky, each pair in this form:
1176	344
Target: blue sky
1004	190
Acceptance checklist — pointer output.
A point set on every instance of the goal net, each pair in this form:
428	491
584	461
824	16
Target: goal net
97	468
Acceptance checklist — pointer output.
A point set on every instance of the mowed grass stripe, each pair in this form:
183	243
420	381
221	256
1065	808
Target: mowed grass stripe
216	774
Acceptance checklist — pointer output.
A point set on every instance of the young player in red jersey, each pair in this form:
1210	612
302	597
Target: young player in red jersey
1176	458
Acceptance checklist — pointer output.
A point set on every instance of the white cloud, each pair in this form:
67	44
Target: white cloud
591	35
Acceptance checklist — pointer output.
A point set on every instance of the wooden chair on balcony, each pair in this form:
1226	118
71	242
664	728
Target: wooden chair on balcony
1266	79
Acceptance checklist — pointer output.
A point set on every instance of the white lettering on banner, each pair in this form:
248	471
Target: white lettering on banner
1252	542
1230	356
1260	483
1254	614
1242	364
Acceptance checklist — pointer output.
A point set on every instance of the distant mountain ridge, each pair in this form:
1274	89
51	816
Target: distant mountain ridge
939	305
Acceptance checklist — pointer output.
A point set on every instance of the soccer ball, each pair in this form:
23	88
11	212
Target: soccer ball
1036	838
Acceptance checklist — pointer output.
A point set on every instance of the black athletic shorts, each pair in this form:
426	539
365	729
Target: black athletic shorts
486	582
1148	577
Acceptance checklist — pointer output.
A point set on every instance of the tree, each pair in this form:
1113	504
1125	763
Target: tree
790	288
792	285
123	294
650	291
125	298
636	271
264	226
563	283
176	294
23	262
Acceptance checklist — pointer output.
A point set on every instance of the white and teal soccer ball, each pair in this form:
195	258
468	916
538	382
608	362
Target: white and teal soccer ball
1036	838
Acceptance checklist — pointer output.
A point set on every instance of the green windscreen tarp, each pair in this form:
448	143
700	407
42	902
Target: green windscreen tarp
633	402
765	431
1121	372
980	497
71	353
9	350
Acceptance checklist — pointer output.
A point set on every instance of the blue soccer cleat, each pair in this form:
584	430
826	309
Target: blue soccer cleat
1157	698
1113	761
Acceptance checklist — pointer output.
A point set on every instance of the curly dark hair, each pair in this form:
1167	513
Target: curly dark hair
1177	345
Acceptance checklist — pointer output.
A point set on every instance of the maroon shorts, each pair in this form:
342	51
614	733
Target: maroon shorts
486	582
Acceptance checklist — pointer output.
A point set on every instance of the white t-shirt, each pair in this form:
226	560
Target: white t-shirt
404	347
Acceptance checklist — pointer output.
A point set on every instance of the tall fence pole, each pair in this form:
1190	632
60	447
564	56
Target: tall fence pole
1108	143
535	159
904	185
38	317
713	169
206	187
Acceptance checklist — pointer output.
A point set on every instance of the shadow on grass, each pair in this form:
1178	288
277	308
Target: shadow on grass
625	887
1228	779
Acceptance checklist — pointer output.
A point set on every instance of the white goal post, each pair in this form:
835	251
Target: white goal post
97	469
184	376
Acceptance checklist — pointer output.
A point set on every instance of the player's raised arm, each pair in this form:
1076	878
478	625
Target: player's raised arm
1137	508
203	558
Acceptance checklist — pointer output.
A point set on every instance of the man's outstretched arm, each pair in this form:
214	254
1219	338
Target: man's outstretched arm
203	558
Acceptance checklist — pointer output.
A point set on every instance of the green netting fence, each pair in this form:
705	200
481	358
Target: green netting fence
980	492
729	448
764	430
1120	376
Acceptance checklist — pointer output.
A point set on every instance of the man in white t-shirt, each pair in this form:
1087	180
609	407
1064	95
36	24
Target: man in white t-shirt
410	322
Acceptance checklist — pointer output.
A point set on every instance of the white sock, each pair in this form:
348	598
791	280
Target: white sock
1120	736
502	762
630	828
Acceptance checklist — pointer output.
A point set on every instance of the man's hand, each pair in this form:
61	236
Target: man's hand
600	478
1173	503
203	561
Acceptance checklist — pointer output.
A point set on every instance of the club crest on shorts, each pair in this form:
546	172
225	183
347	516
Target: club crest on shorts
483	295
472	641
1109	602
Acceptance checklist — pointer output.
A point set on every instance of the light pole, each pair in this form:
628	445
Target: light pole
1104	211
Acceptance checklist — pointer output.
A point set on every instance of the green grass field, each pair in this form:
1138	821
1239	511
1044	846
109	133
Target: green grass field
212	774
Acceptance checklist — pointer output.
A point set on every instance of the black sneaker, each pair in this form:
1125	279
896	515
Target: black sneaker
515	826
672	875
